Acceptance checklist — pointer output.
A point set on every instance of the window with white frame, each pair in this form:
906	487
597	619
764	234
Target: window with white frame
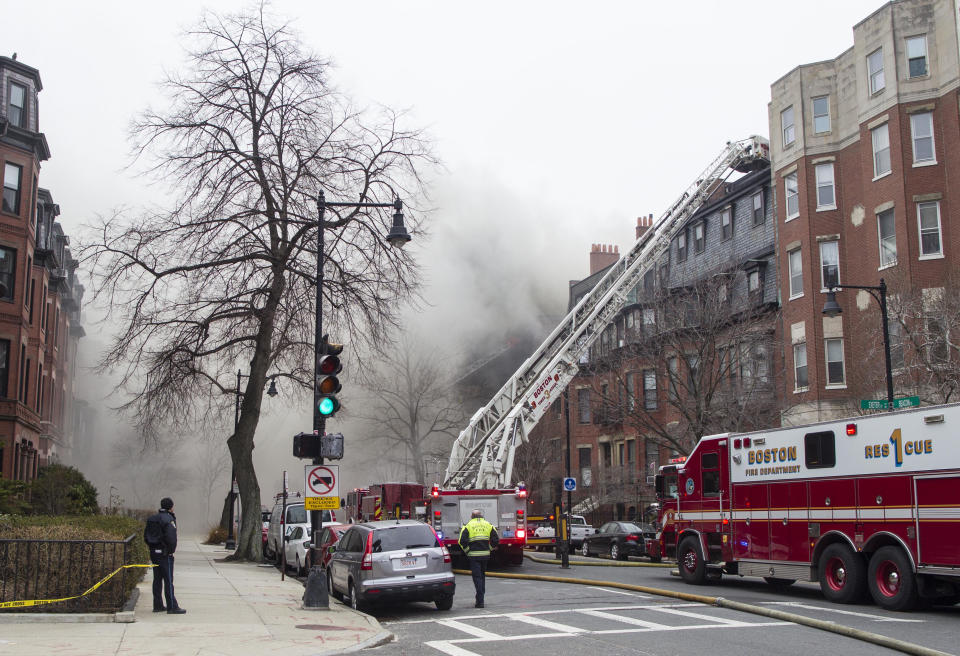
834	353
917	56
887	235
795	266
880	136
583	405
792	195
8	273
758	215
821	114
12	177
699	237
829	264
753	280
800	367
17	105
682	245
787	125
673	373
631	391
928	217
649	389
875	71
921	128
726	223
649	321
895	333
826	193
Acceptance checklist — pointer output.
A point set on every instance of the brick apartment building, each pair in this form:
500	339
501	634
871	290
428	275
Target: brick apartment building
864	147
629	407
40	296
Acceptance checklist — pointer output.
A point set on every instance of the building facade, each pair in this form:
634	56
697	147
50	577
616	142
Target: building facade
40	296
863	149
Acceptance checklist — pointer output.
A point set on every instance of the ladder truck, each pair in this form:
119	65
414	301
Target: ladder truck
480	468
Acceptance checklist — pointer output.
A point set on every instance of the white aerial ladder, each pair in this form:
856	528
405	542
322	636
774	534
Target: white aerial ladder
482	455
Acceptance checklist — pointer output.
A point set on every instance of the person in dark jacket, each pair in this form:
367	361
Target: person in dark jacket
160	535
477	539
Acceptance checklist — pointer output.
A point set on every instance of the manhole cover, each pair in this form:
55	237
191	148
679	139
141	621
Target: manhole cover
320	627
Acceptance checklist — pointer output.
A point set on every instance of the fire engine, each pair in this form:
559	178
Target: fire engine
386	500
506	509
870	503
482	457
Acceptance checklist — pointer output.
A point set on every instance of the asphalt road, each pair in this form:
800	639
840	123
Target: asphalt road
535	617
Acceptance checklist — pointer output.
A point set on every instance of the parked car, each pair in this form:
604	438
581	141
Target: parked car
297	546
329	537
395	560
620	540
296	515
264	526
579	529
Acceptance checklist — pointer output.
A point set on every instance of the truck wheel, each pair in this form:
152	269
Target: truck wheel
693	569
842	574
891	580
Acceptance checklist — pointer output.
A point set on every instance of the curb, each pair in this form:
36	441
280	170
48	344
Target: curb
379	639
720	602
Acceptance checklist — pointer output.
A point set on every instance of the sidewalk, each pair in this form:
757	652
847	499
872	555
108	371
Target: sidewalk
232	608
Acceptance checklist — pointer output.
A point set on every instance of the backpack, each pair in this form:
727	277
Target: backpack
153	534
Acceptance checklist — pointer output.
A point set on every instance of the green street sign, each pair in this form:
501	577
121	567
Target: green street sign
881	404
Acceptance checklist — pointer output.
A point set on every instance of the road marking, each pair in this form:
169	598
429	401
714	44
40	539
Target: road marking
620	592
448	647
627	620
467	628
840	611
700	616
547	624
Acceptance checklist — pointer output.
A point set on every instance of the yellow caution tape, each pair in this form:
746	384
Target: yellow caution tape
41	602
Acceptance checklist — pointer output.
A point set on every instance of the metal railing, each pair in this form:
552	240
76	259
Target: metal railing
54	569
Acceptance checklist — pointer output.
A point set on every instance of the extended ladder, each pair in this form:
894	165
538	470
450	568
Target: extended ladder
482	455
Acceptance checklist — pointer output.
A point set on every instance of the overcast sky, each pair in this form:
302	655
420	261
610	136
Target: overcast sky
558	122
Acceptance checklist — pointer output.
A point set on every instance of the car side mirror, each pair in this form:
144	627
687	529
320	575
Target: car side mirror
332	548
286	538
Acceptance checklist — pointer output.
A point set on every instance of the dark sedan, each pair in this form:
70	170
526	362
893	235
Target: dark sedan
620	540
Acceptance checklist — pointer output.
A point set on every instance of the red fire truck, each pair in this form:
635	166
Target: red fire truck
868	503
385	500
506	509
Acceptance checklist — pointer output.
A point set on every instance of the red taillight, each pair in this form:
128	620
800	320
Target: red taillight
736	443
435	491
443	549
367	562
746	442
521	533
632	538
851	429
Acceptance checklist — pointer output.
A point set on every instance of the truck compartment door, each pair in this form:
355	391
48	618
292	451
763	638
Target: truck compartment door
938	509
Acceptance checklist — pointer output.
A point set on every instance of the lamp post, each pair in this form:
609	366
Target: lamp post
398	237
231	542
879	292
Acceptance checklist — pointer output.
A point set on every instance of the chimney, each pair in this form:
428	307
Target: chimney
602	256
644	223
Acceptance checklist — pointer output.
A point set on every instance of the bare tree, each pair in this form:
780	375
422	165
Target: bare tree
411	406
211	467
697	361
225	276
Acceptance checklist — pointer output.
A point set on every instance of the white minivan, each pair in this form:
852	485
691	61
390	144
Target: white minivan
296	515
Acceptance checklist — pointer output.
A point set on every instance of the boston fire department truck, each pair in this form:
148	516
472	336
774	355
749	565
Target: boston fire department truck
449	510
386	500
864	504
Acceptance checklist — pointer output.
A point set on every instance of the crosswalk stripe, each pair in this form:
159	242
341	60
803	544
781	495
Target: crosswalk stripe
626	620
547	624
470	629
700	616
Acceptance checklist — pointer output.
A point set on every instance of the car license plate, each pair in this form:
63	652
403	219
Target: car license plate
409	563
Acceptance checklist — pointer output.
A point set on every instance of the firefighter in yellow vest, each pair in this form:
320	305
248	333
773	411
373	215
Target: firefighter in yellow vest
477	539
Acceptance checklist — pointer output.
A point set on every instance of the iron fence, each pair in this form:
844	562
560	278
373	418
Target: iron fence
54	569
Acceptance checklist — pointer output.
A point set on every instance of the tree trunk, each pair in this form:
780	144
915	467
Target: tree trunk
225	514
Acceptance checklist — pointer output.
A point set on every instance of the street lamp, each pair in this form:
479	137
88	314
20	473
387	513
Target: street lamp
231	542
397	237
831	308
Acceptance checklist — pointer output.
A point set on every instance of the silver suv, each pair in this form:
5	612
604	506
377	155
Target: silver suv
395	560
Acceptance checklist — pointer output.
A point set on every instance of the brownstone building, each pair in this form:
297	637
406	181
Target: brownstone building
40	296
864	148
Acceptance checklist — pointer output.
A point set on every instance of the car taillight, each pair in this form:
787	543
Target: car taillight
367	562
632	538
443	549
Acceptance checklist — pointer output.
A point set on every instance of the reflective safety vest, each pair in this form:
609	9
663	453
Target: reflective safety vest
475	537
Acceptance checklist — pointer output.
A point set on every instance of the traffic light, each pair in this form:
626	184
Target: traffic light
306	445
328	366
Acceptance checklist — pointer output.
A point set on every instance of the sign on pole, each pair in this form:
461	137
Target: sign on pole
570	484
882	404
322	487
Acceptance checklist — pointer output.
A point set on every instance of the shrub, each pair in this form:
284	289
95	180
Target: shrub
62	490
217	535
11	496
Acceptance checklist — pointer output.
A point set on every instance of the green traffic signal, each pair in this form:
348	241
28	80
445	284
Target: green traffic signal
328	405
